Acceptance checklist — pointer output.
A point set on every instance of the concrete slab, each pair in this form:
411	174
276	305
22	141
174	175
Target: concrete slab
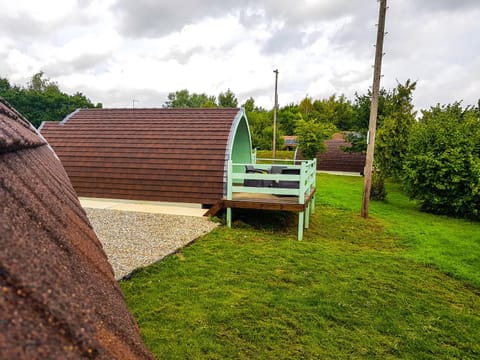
153	207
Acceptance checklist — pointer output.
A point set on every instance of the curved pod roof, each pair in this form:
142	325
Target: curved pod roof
174	155
335	159
59	298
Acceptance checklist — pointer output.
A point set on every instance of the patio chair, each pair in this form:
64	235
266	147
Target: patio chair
249	169
289	184
275	169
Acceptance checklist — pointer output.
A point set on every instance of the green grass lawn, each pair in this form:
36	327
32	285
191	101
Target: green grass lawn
280	154
402	284
452	245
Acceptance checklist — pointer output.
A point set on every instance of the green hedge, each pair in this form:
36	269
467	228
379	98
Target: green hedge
442	166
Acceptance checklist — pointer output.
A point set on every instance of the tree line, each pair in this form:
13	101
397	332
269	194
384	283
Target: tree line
42	100
435	155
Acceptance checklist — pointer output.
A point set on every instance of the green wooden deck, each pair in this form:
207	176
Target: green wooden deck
274	196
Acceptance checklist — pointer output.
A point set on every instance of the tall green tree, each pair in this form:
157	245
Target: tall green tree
183	99
42	100
306	108
227	99
287	117
261	126
261	129
392	138
361	108
338	111
357	135
249	104
391	104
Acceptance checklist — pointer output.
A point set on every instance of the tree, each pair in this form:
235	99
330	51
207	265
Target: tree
183	99
360	119
392	137
261	129
261	126
306	108
42	100
361	108
227	99
249	104
395	117
442	164
311	137
338	111
5	86
287	117
40	84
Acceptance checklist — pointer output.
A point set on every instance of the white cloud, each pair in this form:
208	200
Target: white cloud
117	50
42	11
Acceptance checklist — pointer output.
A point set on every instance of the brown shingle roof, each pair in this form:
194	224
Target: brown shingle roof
145	154
58	296
15	131
335	159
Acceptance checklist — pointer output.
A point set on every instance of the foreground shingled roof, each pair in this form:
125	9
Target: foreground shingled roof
145	154
58	296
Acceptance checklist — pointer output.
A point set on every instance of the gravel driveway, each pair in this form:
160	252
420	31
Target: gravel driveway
134	239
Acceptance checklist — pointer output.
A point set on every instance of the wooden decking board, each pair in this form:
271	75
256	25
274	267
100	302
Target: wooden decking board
261	202
263	205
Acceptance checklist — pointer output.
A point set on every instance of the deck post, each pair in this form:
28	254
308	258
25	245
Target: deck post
303	177
229	217
307	217
313	185
229	191
301	199
300	226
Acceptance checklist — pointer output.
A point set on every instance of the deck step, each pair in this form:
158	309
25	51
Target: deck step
215	209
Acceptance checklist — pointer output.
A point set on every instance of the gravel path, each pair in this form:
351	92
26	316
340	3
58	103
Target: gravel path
133	239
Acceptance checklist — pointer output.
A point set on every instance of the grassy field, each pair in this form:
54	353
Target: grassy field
402	284
452	245
280	154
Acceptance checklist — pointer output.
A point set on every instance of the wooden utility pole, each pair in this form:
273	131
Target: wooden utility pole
372	127
275	117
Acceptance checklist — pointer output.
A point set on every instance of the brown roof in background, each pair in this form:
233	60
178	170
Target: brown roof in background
335	159
145	154
338	136
58	296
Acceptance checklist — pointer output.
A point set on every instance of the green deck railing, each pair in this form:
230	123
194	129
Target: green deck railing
236	175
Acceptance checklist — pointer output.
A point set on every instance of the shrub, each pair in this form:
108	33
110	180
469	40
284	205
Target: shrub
378	191
311	137
442	165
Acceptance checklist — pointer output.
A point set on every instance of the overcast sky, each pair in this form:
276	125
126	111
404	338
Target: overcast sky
115	51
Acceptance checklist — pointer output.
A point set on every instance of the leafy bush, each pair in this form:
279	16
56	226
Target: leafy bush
378	191
311	137
442	165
